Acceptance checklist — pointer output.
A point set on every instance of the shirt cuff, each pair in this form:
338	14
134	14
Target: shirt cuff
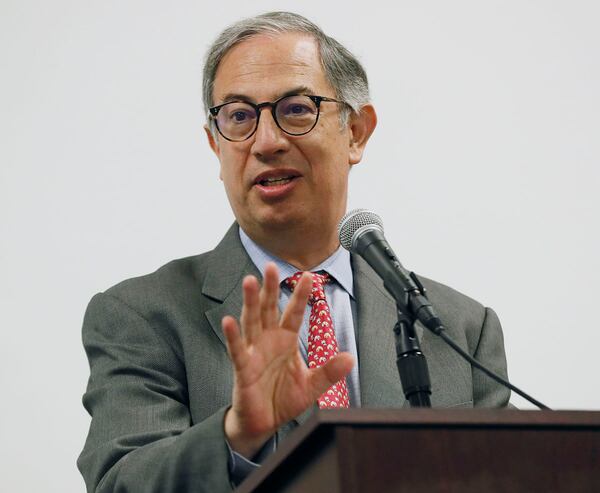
240	467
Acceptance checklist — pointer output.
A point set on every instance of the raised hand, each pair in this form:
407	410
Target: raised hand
272	384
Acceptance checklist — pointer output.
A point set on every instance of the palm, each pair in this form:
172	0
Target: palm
272	383
275	384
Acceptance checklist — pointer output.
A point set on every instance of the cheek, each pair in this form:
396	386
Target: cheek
326	158
231	165
332	180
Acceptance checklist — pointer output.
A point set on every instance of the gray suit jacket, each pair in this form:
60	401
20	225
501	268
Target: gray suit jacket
161	378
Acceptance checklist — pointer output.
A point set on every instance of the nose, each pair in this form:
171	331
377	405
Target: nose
269	139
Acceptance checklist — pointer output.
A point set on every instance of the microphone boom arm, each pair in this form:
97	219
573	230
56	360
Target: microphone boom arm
411	362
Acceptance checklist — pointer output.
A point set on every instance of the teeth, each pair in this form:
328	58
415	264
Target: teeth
275	181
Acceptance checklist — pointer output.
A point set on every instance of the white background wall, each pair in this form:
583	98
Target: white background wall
484	167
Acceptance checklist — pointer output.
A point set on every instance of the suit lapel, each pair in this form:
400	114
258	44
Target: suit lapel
379	381
229	264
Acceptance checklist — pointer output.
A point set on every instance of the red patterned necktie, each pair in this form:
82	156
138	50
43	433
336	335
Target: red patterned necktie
322	343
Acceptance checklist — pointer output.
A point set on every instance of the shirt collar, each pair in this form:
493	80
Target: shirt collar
337	265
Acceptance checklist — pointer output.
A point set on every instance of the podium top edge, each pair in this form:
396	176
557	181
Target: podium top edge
454	417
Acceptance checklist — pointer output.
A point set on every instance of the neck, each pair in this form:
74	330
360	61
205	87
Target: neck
303	250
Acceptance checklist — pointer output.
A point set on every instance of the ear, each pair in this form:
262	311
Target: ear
361	127
214	145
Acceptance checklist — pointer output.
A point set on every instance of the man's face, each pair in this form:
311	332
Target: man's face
264	69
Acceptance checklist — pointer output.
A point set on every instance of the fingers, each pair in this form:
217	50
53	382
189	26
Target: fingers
235	344
269	298
331	372
261	305
250	317
294	311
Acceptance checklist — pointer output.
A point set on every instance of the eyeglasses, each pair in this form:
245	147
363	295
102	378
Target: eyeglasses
297	114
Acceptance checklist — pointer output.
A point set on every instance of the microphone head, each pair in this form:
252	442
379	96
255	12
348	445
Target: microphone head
356	222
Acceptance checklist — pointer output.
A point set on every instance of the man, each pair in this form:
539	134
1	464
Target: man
182	397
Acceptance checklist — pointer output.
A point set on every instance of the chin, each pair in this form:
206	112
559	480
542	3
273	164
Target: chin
279	221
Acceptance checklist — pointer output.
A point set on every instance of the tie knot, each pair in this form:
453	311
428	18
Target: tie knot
318	282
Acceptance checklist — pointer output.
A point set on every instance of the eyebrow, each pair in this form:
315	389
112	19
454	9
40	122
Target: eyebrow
234	96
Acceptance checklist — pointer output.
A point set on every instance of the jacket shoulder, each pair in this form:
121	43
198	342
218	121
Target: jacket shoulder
170	281
462	315
453	302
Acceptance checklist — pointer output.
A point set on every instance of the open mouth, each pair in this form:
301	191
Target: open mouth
272	182
276	177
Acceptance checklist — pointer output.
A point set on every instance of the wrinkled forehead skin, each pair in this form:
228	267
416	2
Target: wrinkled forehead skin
265	63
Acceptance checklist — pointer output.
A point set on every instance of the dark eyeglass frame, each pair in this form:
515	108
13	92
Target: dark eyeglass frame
214	111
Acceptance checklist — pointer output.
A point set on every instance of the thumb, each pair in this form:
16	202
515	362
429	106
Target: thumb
320	379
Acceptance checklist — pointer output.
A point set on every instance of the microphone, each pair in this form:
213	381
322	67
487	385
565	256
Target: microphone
361	232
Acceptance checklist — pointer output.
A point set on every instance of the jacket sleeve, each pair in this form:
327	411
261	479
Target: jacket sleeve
490	352
141	437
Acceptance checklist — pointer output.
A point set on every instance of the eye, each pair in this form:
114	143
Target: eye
296	109
240	116
237	114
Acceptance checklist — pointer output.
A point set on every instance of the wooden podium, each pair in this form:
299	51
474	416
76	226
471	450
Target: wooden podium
436	450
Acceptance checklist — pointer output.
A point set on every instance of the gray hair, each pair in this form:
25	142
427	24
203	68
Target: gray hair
342	70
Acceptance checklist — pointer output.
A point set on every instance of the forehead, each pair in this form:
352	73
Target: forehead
265	67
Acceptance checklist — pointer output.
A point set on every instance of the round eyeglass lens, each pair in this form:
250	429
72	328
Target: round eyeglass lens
296	114
236	120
